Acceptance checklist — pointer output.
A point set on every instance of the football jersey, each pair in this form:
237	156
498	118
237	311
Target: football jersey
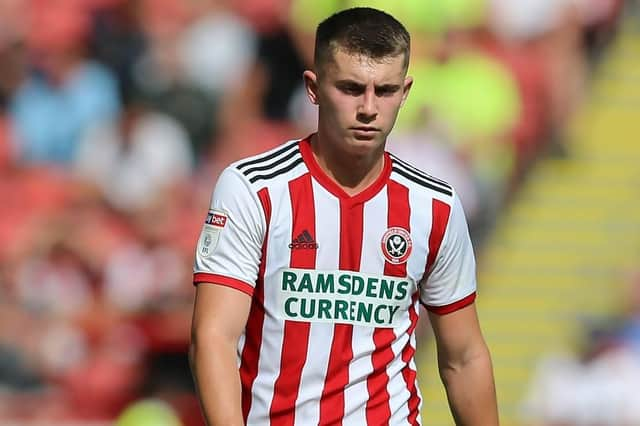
336	283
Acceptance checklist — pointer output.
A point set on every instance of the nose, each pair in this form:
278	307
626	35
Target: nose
368	109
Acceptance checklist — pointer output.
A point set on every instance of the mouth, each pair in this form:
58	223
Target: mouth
365	132
365	129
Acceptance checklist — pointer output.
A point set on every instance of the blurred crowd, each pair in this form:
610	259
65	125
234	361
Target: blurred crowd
116	116
597	385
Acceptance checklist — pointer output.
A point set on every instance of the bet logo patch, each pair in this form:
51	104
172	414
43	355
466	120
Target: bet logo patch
216	218
213	226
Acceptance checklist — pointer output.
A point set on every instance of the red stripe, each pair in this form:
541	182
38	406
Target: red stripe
296	334
378	410
253	332
337	378
439	220
203	277
451	307
409	373
399	214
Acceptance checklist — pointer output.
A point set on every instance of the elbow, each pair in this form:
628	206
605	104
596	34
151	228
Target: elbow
450	367
448	372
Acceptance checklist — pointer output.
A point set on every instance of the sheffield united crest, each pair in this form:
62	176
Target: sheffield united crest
396	245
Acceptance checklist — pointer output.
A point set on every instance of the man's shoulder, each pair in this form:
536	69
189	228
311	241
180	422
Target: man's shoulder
268	164
418	178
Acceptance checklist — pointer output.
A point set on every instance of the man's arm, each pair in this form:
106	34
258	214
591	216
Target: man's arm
465	367
219	317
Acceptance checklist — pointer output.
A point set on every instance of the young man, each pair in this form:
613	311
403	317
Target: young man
315	257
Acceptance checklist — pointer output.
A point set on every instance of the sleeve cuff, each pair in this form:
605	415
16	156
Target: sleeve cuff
451	307
203	277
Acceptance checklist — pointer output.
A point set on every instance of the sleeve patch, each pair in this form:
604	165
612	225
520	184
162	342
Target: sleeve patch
216	218
213	226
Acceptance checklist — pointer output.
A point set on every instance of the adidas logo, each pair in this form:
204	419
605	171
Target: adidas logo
303	241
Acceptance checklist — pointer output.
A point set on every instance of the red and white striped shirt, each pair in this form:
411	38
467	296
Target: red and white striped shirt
335	281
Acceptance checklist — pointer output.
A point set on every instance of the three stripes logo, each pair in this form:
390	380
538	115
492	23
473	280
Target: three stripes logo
304	241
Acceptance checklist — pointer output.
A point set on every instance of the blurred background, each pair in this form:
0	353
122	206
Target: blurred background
116	117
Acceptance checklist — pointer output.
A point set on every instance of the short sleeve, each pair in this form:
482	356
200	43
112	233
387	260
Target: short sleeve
451	283
230	243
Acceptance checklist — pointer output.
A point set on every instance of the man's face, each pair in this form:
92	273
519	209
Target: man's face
358	99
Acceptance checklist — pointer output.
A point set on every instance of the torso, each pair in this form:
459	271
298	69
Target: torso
336	302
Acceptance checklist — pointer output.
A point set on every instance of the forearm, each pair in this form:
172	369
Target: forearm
471	389
215	372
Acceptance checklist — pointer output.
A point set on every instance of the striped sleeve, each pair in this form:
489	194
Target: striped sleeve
450	284
230	244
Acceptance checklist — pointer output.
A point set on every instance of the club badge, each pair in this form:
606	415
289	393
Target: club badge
396	245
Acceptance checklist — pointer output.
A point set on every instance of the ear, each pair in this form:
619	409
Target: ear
408	82
311	85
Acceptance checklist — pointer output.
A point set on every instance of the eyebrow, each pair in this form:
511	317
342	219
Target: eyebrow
355	84
388	87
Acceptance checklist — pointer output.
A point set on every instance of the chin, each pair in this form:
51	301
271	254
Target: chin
364	145
372	138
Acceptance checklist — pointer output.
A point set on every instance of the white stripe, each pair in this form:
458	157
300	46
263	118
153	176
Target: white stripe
375	225
320	334
241	343
356	395
420	223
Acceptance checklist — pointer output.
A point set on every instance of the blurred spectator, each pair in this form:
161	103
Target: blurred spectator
54	273
216	49
283	66
265	16
65	93
30	198
533	123
146	274
117	40
600	392
630	328
551	30
598	386
160	77
135	159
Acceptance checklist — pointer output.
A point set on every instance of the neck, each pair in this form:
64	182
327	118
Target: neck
353	173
